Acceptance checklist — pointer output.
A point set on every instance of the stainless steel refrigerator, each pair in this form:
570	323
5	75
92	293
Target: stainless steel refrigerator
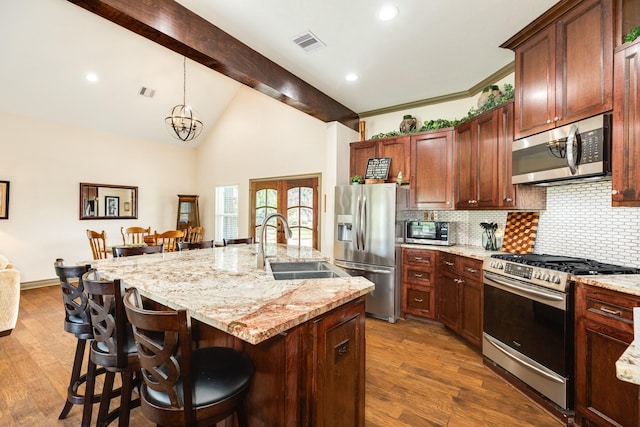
368	235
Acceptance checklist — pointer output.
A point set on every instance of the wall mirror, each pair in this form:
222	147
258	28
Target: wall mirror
104	201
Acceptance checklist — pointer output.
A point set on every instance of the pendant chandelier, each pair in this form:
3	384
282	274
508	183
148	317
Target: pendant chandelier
181	121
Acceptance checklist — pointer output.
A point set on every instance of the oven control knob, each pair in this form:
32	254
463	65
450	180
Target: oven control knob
546	277
536	275
555	279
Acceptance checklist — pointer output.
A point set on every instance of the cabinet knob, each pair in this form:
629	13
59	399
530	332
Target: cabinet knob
614	192
548	121
449	263
555	119
508	199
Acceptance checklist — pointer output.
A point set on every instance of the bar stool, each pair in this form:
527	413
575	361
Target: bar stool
113	348
183	386
77	322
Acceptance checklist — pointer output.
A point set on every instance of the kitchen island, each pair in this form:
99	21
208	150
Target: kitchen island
305	337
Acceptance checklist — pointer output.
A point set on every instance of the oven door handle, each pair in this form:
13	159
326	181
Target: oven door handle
504	349
492	277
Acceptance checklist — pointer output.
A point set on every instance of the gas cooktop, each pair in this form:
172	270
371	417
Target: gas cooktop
571	265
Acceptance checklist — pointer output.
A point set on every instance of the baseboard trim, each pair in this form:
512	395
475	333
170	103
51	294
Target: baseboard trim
38	284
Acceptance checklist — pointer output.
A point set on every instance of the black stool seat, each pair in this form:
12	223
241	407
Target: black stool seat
219	372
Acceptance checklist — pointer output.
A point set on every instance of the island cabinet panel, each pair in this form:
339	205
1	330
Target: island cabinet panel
604	330
625	186
396	148
460	296
311	375
432	169
563	72
418	286
339	380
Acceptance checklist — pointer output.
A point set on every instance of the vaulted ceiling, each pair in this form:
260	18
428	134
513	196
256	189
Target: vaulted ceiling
431	49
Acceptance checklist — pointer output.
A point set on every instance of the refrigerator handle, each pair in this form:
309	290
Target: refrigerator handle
355	224
363	222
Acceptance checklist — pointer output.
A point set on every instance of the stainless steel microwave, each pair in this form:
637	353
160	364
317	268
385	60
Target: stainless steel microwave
575	151
428	233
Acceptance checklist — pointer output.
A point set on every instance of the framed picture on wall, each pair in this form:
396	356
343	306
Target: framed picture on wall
90	208
4	199
112	205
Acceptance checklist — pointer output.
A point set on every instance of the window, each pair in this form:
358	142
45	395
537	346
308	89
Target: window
226	212
297	199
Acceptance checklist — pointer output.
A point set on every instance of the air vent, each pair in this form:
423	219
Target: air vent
308	41
145	91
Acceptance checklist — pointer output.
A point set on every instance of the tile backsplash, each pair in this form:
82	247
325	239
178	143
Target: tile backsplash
579	221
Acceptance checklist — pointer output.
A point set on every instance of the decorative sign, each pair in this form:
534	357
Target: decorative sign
378	168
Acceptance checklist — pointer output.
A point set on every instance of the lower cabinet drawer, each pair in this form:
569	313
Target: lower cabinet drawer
419	301
416	276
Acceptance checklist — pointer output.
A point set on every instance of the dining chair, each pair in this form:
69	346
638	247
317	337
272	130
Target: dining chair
120	251
77	321
205	244
113	348
238	241
134	235
169	239
183	386
194	234
98	243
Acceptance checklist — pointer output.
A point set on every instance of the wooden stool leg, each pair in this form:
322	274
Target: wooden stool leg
88	394
105	401
74	382
241	415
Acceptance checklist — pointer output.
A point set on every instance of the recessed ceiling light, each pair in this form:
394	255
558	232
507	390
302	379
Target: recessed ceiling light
351	77
92	77
387	12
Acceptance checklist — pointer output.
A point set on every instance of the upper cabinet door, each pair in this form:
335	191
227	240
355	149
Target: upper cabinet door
398	150
584	67
432	168
360	153
535	84
564	71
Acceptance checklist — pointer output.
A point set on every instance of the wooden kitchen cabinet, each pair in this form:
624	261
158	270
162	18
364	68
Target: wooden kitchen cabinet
432	168
563	66
339	377
604	330
625	186
483	165
397	148
460	295
418	285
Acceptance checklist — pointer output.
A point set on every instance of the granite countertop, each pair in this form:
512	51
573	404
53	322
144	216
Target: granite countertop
223	288
628	365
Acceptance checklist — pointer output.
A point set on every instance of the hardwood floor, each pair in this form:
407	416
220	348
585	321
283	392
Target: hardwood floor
417	375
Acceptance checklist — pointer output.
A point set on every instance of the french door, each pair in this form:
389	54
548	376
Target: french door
296	199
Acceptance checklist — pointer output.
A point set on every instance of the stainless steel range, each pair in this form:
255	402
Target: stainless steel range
529	318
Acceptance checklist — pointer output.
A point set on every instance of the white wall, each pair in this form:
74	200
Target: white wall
46	162
258	137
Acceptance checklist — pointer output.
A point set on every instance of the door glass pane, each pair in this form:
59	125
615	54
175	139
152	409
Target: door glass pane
300	216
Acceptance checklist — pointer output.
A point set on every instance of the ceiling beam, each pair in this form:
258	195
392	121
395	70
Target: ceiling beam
173	26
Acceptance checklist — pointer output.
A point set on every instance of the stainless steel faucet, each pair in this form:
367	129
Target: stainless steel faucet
287	231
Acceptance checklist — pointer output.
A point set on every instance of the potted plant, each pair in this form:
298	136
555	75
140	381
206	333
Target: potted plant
356	179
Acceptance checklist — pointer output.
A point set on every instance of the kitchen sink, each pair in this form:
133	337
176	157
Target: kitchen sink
305	270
